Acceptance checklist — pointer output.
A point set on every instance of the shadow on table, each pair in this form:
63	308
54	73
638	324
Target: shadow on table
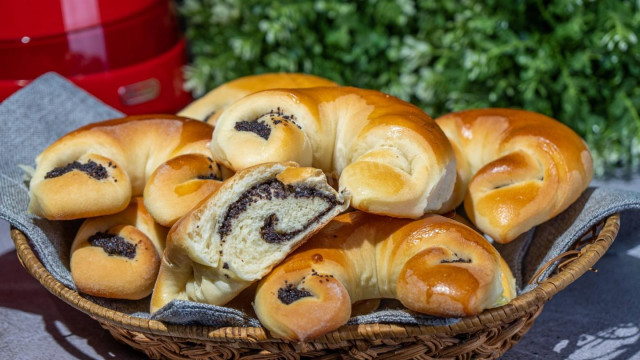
20	291
597	316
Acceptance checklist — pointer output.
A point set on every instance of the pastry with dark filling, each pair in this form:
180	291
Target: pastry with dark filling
118	256
97	169
389	154
242	230
209	107
179	185
434	265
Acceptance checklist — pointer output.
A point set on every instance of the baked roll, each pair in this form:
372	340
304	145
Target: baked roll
96	169
118	256
208	107
179	185
239	233
389	154
434	266
516	168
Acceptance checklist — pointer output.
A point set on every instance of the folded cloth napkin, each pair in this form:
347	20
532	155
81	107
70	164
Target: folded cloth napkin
50	107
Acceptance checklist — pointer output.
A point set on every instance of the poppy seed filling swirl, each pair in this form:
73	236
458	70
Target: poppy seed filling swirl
267	191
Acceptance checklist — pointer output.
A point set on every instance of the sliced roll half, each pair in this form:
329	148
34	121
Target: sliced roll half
241	231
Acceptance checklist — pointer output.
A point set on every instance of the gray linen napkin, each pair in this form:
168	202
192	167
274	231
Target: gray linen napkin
50	107
30	120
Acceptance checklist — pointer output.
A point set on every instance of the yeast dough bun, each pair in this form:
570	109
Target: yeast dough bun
239	233
389	154
434	265
516	168
96	169
209	107
118	256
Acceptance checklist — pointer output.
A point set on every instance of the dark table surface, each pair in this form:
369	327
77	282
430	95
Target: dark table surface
596	317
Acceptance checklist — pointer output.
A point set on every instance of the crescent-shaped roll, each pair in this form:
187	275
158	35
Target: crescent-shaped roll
96	169
242	230
434	266
389	154
209	107
118	256
516	168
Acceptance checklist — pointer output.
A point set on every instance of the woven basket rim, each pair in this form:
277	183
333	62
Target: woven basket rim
516	308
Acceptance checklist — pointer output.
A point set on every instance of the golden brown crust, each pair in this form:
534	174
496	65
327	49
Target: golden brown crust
433	265
209	107
179	185
136	243
516	168
308	317
389	154
96	169
199	264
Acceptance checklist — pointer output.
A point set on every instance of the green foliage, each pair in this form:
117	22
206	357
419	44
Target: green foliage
575	60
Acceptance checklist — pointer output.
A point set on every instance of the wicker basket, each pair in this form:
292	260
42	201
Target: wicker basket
487	335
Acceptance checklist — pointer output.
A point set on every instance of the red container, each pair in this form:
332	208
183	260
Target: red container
127	53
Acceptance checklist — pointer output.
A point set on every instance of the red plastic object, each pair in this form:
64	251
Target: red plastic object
127	53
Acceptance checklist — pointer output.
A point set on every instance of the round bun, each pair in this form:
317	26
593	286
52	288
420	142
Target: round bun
179	185
96	169
118	256
242	230
208	107
434	265
516	168
388	154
